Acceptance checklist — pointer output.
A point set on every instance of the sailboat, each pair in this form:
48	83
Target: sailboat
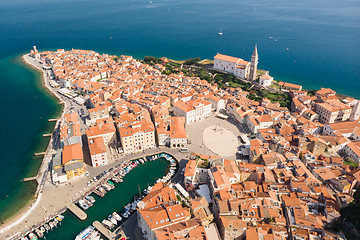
220	33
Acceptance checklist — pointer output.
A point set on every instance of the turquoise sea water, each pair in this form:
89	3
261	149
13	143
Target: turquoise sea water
323	38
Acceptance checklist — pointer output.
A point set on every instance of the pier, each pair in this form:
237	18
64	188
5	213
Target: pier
77	211
29	179
104	231
39	154
47	135
53	120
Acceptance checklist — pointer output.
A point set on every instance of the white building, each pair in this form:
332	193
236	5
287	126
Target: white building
259	122
190	172
98	153
193	110
333	111
352	150
265	80
236	66
103	128
137	138
177	133
216	103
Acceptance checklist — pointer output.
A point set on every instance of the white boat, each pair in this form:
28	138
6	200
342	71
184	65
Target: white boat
90	198
83	204
112	219
94	236
107	223
117	216
39	233
84	234
125	214
60	217
32	236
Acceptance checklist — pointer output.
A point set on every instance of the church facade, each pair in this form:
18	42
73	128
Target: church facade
237	66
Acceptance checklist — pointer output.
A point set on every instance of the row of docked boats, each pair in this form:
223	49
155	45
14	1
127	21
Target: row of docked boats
88	233
131	207
112	220
38	230
116	175
103	188
86	202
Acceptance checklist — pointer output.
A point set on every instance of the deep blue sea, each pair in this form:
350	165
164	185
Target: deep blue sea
323	38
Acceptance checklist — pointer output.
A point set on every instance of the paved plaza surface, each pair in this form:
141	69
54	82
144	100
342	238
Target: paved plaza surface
203	140
220	141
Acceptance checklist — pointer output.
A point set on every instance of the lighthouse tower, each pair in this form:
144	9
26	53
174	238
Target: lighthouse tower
253	65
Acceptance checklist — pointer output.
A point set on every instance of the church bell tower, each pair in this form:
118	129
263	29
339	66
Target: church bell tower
254	63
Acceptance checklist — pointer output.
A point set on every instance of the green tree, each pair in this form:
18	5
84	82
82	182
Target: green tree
192	61
151	60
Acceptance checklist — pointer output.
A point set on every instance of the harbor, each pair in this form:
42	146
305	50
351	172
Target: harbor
112	200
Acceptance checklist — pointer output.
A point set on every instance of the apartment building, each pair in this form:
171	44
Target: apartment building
98	152
137	138
332	111
193	110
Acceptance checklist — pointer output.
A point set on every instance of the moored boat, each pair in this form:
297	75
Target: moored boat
84	234
112	219
117	216
90	198
32	236
107	223
83	204
46	227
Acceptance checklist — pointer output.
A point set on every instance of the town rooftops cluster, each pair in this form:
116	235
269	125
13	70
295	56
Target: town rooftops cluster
297	157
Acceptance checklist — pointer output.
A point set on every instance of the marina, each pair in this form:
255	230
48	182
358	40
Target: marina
109	202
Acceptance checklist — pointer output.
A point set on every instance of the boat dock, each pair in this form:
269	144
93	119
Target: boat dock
40	153
76	211
29	179
104	231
